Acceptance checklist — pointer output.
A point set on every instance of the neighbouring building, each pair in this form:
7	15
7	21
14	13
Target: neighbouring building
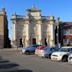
33	29
66	33
4	40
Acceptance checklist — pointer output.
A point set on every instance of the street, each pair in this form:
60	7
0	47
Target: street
15	61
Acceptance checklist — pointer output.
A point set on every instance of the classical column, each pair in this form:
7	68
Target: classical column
48	37
25	38
38	29
14	39
52	31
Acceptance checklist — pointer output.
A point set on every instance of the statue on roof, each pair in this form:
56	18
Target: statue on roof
33	9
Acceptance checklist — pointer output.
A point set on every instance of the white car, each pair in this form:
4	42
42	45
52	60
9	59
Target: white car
61	54
70	58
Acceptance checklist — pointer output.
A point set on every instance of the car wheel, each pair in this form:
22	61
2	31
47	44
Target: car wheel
27	53
64	59
42	57
33	52
49	56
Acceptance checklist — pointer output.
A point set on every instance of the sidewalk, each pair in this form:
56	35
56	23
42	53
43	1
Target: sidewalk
10	49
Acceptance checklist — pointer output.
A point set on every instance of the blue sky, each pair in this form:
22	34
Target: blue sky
57	8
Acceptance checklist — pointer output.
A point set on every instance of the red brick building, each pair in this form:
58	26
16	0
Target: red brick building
65	33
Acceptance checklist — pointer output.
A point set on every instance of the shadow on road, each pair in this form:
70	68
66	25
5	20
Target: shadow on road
0	57
21	71
4	61
7	66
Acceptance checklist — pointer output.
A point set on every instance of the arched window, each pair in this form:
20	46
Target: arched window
21	45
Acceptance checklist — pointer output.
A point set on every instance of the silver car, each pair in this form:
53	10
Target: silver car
30	49
46	52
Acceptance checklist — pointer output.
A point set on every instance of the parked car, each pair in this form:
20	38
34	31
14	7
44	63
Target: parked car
70	58
37	51
30	49
46	52
61	54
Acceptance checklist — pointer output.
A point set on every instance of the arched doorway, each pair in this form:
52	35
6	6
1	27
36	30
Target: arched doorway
45	41
21	45
33	40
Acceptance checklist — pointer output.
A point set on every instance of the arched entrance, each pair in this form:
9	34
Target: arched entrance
21	45
45	41
33	40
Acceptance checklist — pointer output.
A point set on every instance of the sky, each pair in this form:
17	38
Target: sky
56	8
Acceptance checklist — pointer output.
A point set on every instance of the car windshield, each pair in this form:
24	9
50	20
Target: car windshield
50	49
30	46
65	49
47	48
36	45
53	49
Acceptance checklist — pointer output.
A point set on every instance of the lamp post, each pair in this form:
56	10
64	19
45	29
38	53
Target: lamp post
57	34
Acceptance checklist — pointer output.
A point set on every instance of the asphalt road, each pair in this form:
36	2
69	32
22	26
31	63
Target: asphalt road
14	61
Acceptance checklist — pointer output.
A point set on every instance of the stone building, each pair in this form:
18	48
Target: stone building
4	40
33	29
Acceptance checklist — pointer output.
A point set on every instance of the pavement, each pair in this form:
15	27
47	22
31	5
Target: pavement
15	61
10	49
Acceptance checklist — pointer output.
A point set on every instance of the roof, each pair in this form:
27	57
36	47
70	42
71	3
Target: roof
67	22
66	25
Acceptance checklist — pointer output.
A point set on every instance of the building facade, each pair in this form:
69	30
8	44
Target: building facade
33	29
66	33
4	40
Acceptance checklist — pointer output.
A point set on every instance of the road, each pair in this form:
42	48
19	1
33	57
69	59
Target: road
15	61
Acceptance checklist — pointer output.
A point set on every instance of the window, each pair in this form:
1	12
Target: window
64	41
64	31
70	31
70	41
67	31
65	49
